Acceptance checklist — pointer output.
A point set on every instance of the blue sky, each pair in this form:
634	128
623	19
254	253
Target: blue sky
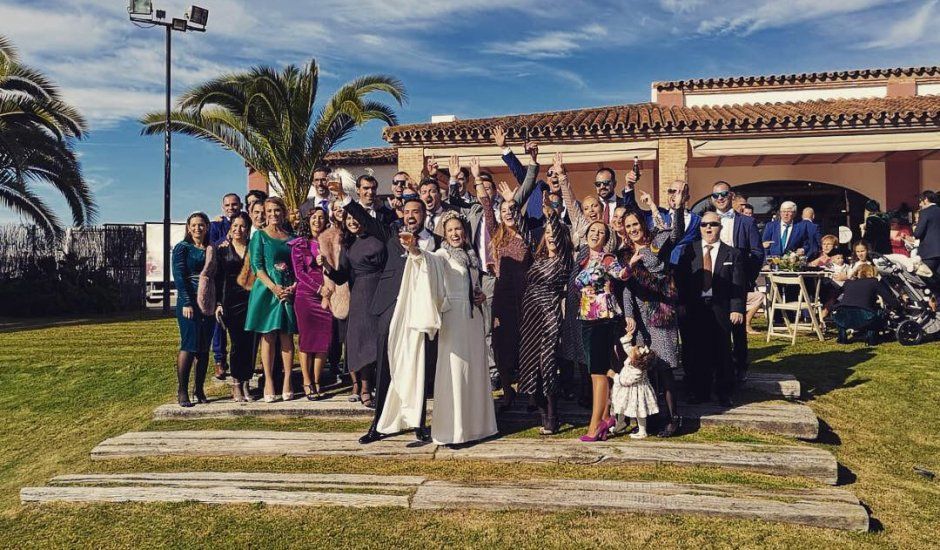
467	58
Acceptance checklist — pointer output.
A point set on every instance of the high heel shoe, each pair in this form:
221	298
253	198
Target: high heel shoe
600	434
183	399
270	398
200	397
287	396
670	429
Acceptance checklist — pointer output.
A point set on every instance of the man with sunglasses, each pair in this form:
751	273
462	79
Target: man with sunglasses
396	200
740	232
712	286
678	195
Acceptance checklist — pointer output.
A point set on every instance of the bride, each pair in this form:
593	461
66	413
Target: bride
463	404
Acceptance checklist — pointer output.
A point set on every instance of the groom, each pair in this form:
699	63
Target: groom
386	298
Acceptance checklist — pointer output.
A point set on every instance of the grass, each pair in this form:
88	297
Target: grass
68	386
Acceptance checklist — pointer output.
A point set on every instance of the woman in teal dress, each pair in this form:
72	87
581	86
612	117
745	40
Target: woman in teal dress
270	307
189	257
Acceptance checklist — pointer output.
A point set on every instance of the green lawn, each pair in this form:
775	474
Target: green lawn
68	386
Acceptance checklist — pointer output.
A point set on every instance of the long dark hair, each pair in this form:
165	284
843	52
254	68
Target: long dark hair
303	228
246	219
644	228
189	238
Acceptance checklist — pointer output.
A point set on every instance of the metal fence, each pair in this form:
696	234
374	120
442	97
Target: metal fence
117	251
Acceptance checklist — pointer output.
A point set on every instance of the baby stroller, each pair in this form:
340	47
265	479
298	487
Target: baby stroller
914	320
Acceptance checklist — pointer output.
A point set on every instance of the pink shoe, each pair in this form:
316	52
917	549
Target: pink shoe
601	434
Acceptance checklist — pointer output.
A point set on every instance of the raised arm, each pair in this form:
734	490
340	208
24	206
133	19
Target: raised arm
518	171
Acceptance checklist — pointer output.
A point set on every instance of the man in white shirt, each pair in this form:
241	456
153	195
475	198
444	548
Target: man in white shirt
319	192
366	188
430	193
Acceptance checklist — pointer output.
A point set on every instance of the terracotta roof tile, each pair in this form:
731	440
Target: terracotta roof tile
796	78
368	155
652	120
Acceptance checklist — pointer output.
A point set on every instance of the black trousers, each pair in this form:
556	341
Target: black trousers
710	357
383	375
242	351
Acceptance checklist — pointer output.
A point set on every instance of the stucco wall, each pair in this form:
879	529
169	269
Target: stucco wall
867	178
930	175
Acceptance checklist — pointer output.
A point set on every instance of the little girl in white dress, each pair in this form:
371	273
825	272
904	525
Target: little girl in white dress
632	395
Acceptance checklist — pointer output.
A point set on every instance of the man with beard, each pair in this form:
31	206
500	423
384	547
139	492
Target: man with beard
739	231
430	193
320	193
386	299
396	200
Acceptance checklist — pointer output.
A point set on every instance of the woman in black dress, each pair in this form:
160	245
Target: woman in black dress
232	304
362	259
546	283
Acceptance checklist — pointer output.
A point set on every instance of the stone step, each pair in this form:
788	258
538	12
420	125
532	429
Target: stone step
826	507
778	460
773	417
776	384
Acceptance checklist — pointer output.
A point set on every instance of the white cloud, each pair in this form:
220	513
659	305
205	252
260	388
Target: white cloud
748	17
549	45
908	31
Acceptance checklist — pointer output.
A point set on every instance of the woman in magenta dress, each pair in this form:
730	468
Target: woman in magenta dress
311	302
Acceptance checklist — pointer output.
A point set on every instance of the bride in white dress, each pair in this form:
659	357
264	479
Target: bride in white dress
463	404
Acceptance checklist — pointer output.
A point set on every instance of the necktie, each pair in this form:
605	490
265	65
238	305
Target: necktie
783	239
707	265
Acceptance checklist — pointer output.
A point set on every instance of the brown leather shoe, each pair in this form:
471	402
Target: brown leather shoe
219	371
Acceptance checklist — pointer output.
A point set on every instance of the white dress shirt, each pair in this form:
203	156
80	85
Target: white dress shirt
425	239
714	255
727	227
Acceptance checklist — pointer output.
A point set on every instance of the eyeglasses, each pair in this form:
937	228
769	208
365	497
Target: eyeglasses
710	224
399	183
551	174
603	183
671	191
720	194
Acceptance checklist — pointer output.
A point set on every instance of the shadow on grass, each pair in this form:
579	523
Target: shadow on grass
819	372
13	324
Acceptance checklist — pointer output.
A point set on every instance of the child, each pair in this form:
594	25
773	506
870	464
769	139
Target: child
831	287
632	395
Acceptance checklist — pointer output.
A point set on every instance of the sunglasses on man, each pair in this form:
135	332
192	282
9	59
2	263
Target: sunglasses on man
603	183
710	224
720	194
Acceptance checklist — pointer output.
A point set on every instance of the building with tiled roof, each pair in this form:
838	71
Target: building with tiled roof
829	140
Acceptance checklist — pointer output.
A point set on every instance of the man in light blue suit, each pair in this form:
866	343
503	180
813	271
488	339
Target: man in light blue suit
786	234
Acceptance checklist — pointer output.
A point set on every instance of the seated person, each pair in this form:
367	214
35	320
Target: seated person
828	244
831	287
858	308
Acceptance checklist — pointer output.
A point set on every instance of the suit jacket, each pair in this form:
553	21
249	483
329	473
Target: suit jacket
218	230
533	204
473	211
801	236
729	281
746	239
692	235
928	231
386	294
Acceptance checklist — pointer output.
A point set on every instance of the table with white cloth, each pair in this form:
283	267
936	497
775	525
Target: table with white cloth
803	303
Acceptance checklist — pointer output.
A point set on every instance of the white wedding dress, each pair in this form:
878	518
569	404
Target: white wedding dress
463	404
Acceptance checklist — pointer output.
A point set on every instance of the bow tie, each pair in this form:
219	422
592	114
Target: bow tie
728	214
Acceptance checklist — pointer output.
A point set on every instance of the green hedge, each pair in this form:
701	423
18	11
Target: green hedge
50	287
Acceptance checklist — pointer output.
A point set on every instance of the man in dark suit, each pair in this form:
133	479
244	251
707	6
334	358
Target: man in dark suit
927	231
739	232
786	234
430	192
712	287
809	217
367	187
386	297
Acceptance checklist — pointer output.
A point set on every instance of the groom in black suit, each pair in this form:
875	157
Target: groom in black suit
711	280
386	297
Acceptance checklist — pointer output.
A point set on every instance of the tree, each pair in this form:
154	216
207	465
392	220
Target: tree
268	118
37	134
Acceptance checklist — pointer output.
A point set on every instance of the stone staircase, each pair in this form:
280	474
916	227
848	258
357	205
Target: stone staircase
819	505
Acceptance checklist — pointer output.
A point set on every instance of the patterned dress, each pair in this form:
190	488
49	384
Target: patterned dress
649	295
546	281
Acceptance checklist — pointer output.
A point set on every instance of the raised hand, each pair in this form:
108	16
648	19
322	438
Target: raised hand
410	185
432	166
475	167
453	166
631	179
547	209
499	134
645	199
505	191
533	150
558	164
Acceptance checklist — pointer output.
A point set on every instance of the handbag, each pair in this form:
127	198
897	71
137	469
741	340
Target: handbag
205	291
246	277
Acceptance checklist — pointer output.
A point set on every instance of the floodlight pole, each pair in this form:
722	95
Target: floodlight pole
169	25
166	181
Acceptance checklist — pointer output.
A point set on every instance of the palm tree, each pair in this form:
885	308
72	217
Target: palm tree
37	134
268	118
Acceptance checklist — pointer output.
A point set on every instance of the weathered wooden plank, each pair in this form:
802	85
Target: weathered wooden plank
209	495
245	480
778	460
781	460
774	417
637	497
